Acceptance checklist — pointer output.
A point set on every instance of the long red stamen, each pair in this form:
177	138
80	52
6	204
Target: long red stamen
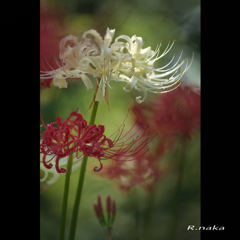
62	170
48	166
96	169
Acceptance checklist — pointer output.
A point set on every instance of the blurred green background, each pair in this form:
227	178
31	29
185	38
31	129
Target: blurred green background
154	21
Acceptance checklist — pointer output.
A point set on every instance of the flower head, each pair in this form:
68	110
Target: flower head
140	73
75	136
123	60
72	136
174	114
71	53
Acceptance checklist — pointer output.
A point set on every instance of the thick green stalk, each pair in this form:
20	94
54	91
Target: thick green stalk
80	183
94	112
65	197
108	232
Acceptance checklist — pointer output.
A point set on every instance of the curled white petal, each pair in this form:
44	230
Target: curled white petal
97	37
131	84
59	81
45	174
51	175
101	91
108	37
141	99
64	51
86	80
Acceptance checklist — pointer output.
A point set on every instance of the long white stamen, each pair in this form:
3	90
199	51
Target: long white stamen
161	69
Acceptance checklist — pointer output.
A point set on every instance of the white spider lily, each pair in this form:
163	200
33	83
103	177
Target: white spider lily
140	72
107	64
70	57
123	60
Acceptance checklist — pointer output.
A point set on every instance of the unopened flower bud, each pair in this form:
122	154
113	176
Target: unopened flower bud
99	210
96	209
108	201
113	208
99	203
113	211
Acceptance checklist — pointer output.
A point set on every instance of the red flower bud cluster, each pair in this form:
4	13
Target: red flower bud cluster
173	114
110	209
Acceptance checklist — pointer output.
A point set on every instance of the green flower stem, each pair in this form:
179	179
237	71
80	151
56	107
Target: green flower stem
94	112
108	232
80	182
65	197
175	207
148	215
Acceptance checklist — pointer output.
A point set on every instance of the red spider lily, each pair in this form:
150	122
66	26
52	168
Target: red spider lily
51	32
75	136
173	114
72	136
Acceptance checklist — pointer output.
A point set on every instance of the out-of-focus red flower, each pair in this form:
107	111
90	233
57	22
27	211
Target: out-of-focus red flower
74	135
51	32
145	172
173	114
